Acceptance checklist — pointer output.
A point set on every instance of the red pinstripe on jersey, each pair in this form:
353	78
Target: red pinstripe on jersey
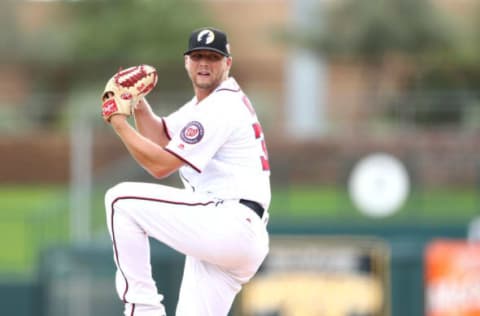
165	129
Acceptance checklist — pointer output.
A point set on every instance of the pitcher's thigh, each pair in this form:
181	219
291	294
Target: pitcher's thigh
185	221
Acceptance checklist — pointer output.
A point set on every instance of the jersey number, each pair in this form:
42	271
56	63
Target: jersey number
257	128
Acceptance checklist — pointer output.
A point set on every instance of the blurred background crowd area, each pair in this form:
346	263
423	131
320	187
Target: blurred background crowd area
332	81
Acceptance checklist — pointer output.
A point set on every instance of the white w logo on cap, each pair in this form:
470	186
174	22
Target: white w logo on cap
206	36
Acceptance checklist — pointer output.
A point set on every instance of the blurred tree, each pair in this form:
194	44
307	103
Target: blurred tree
447	88
442	93
371	30
64	44
119	32
443	56
101	32
8	38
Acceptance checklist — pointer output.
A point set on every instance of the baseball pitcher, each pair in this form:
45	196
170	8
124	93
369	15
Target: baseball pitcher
218	220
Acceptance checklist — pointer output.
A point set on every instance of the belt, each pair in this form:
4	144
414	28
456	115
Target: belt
254	206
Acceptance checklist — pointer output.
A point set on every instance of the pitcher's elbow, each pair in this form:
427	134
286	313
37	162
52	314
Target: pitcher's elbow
160	173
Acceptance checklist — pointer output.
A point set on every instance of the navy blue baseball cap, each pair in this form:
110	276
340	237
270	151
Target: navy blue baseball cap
208	39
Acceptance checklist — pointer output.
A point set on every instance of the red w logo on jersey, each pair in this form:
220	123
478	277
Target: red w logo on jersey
192	133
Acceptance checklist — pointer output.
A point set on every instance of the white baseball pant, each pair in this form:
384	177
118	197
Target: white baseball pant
224	242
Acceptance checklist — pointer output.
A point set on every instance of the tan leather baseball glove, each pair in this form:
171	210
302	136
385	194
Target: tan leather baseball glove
124	90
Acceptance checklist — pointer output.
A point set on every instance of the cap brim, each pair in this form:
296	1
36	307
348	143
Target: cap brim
206	48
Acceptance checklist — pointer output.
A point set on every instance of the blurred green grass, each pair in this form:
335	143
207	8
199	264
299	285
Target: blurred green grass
25	199
432	205
31	216
34	217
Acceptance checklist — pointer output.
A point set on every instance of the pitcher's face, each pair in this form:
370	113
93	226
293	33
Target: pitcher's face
207	69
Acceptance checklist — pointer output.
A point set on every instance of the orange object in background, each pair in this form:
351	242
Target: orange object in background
452	278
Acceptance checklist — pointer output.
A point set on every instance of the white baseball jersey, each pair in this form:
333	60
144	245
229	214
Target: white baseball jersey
223	145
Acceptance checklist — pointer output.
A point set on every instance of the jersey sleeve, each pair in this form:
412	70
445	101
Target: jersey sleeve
198	139
172	123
